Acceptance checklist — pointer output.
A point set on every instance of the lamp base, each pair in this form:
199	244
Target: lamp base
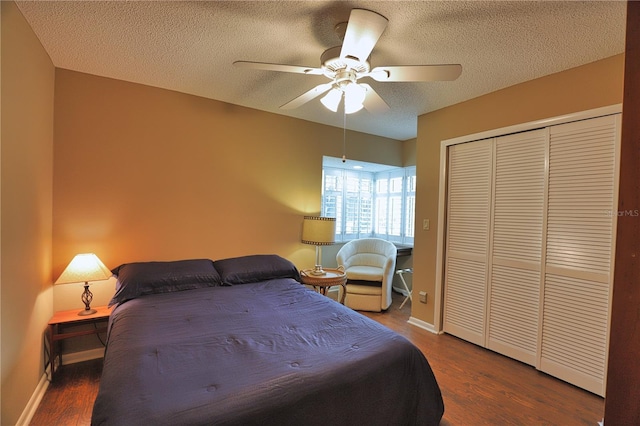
317	271
87	297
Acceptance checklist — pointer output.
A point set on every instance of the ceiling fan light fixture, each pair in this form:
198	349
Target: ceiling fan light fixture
350	109
332	99
354	95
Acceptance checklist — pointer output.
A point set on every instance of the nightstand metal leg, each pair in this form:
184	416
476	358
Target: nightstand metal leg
52	351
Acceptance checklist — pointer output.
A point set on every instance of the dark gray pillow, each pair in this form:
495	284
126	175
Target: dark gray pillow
140	278
254	268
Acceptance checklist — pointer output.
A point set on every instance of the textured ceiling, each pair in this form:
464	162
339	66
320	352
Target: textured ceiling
190	47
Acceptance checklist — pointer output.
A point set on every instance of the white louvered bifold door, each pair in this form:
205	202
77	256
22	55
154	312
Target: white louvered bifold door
468	214
518	213
579	249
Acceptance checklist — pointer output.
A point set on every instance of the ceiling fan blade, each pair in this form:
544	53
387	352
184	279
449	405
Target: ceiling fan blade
307	96
363	31
373	102
279	67
416	73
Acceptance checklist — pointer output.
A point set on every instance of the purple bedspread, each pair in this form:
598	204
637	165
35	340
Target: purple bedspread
268	353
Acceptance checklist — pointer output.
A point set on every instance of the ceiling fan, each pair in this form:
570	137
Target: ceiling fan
345	65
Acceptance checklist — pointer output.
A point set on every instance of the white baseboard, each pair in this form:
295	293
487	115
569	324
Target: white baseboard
423	324
43	384
81	356
34	401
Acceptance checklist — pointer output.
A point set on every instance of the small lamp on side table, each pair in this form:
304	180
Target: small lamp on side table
84	268
319	231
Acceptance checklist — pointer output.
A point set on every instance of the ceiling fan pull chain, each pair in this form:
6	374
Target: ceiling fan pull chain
344	137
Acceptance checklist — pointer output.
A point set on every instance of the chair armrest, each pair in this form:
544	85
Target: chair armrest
344	255
389	266
345	263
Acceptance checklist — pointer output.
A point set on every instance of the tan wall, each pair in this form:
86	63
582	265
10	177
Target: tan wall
143	173
590	86
409	152
27	159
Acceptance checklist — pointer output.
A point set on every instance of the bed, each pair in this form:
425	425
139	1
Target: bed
241	342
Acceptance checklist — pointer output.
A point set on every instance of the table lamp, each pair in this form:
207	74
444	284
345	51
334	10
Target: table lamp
318	231
84	268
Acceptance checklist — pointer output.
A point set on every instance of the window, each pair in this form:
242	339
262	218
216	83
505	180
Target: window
375	201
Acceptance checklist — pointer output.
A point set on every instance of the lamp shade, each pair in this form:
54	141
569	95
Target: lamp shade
84	268
332	99
319	231
354	95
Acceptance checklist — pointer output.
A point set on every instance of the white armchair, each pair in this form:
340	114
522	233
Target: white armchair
369	264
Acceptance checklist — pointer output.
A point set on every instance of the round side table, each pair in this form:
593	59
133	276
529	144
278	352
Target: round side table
321	283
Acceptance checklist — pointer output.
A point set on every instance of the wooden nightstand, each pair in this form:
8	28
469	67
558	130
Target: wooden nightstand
57	323
322	282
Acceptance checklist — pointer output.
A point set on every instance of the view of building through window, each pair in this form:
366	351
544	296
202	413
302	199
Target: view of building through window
369	200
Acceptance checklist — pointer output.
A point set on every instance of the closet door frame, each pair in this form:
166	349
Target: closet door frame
442	196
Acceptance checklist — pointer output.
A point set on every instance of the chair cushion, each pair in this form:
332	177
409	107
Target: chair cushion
363	302
366	273
364	290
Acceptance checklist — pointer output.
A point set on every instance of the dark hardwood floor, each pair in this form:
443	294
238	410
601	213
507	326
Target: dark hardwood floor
479	387
69	400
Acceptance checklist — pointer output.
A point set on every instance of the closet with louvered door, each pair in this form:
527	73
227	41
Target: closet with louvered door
516	246
529	246
581	221
468	215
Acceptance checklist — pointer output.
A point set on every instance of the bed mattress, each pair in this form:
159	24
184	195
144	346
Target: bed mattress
265	353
